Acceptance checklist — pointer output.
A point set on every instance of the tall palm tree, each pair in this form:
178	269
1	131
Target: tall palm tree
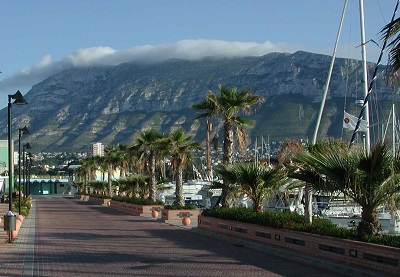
123	155
254	180
150	145
89	167
391	31
111	158
229	104
369	179
180	146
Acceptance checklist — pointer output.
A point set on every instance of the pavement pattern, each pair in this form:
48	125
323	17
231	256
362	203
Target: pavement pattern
68	237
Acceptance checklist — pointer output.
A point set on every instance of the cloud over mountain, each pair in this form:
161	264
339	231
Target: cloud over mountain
103	55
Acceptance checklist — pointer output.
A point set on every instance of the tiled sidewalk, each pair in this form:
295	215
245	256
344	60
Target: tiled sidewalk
69	237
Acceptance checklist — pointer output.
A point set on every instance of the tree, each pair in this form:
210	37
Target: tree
151	145
369	179
288	150
391	31
229	104
111	158
180	146
123	159
254	180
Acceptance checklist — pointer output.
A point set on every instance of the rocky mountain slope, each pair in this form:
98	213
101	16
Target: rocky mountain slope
110	104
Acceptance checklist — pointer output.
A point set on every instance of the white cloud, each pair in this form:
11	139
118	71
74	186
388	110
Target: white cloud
185	49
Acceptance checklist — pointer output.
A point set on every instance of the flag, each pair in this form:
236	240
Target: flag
350	122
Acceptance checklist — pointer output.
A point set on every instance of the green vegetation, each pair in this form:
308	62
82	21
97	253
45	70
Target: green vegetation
139	201
295	222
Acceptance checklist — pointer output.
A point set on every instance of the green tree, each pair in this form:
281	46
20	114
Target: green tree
112	159
230	104
150	145
256	181
180	146
369	179
391	31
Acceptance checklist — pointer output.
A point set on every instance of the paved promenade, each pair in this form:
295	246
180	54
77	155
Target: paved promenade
69	237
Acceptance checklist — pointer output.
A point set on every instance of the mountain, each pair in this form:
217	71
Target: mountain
110	104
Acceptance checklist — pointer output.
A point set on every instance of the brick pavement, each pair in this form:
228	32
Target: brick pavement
69	237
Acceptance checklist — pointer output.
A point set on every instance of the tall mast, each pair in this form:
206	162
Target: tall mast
208	157
328	80
394	131
367	140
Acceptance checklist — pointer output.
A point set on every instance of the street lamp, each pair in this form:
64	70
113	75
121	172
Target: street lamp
18	100
24	165
28	173
20	133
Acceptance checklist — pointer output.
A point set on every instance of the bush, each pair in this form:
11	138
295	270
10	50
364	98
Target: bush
295	222
177	207
139	201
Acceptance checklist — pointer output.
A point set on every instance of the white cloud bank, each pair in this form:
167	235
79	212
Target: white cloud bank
185	49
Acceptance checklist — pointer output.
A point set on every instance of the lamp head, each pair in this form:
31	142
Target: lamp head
18	98
27	146
24	130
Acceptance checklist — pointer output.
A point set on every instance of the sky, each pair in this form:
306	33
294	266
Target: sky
41	38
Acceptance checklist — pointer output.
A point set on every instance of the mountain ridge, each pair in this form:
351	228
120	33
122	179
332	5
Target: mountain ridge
72	108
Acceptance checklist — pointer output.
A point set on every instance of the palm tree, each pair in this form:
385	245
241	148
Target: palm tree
391	31
89	167
180	146
123	155
369	179
135	184
254	180
150	145
229	104
111	158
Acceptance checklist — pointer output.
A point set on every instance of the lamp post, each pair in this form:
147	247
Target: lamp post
18	100
20	133
24	165
28	173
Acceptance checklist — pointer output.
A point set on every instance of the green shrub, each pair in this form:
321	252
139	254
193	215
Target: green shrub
177	207
139	201
295	222
102	196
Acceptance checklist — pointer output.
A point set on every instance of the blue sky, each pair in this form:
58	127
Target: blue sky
40	38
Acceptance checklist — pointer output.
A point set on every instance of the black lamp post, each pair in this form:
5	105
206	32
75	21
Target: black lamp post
20	133
28	173
24	165
18	100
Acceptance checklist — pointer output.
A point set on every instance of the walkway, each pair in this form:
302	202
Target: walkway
69	237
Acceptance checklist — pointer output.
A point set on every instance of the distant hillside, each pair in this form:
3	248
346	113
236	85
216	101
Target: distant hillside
111	103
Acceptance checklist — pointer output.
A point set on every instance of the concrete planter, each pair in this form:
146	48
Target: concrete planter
176	216
134	209
367	255
100	201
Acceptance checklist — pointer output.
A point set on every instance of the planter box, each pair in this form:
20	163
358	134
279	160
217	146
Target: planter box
98	200
134	209
376	257
175	216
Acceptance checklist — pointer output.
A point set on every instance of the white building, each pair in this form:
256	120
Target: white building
95	149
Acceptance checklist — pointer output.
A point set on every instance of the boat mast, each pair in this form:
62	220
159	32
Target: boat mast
367	139
208	157
394	131
321	109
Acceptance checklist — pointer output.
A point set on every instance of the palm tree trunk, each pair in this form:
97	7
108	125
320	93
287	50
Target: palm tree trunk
179	199
152	181
228	143
227	193
308	204
369	224
109	173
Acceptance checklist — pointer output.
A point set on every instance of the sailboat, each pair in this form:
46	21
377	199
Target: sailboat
359	125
